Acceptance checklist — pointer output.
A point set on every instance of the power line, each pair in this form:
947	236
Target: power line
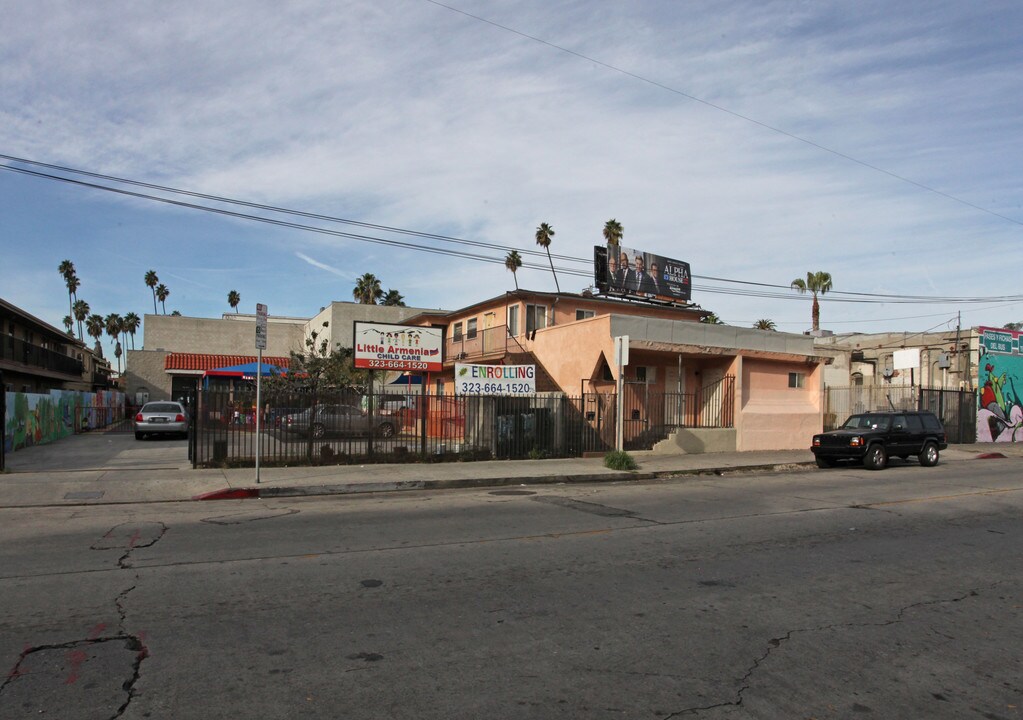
750	289
733	113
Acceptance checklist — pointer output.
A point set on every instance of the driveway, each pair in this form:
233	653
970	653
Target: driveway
101	451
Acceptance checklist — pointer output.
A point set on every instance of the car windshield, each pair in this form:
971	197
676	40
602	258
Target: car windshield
867	422
162	408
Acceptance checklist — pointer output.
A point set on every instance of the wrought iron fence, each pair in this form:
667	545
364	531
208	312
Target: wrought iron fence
338	428
957	409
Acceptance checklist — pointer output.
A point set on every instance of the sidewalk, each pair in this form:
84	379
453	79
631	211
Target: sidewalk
91	487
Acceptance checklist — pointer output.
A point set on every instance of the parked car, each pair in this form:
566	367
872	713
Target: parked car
873	437
337	420
161	418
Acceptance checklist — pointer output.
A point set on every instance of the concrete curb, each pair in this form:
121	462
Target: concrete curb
467	483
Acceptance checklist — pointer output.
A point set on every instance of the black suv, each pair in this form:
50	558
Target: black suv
873	437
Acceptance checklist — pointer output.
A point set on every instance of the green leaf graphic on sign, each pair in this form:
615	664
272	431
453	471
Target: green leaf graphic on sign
463	371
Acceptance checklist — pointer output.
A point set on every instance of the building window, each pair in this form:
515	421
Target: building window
796	380
584	314
470	329
456	331
513	320
536	318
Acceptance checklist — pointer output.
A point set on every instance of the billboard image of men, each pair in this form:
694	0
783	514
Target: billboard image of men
656	282
612	273
623	272
642	282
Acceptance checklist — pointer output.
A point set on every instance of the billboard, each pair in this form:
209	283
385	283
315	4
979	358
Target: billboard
495	379
385	346
634	273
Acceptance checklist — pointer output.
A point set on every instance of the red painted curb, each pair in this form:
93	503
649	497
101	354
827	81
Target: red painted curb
229	494
990	456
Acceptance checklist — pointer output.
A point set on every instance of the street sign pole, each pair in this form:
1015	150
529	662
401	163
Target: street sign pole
260	347
621	360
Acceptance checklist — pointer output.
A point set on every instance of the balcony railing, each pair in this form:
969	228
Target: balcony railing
14	350
489	342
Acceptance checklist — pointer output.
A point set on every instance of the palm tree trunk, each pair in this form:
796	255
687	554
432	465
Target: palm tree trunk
155	311
552	270
816	314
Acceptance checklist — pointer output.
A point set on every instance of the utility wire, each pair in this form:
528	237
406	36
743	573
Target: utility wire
748	291
733	113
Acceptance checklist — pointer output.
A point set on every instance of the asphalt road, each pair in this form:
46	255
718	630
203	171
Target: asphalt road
831	594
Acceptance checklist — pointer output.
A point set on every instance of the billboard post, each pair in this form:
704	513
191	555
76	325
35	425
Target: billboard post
621	360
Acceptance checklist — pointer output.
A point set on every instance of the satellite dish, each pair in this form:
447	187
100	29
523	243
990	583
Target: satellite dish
887	373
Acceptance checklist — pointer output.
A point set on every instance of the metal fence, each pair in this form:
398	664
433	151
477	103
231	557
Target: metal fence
957	409
337	428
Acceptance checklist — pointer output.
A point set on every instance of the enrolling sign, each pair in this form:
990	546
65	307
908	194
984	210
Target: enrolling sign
495	379
384	346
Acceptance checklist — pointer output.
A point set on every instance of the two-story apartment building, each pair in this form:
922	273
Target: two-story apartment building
36	357
726	388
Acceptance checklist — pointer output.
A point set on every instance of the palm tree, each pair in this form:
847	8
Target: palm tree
68	324
162	292
712	319
131	324
95	326
393	298
81	311
513	261
765	324
367	290
124	335
613	232
816	283
176	313
67	271
112	323
151	283
544	233
234	299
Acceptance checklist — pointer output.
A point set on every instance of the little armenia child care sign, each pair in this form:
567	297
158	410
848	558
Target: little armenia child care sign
383	346
495	379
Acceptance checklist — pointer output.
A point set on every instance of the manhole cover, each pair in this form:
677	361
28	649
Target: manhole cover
513	492
86	495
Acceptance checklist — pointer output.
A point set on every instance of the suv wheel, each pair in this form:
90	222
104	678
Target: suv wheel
876	457
824	462
929	455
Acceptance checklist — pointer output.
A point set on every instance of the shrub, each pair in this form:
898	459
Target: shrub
619	460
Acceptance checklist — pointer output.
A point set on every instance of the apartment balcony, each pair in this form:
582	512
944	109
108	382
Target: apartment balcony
489	344
19	355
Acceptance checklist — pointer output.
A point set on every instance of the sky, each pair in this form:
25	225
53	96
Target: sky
757	141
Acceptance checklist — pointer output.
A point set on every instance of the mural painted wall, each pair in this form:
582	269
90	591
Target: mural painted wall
36	419
1000	383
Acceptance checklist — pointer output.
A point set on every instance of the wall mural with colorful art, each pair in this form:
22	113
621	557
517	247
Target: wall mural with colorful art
1000	383
36	419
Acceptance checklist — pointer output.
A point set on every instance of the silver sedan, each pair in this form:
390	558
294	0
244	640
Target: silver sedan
161	418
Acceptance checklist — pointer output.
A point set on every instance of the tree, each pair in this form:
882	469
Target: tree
68	324
711	319
613	232
162	293
816	283
367	290
81	311
1012	326
176	313
394	299
131	324
95	326
513	261
112	324
234	299
544	234
67	271
765	324
151	282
